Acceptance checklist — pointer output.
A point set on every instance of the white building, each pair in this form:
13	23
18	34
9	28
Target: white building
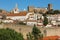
31	22
20	16
7	21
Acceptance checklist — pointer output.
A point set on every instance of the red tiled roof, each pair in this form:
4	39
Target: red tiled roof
17	14
51	38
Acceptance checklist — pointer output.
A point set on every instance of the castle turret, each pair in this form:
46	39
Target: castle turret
49	6
30	8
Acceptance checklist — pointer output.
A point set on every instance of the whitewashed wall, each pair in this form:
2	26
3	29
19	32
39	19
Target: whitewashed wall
31	23
7	21
17	17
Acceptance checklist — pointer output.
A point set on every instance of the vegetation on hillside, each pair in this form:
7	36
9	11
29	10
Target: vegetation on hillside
53	12
35	34
9	34
0	10
45	22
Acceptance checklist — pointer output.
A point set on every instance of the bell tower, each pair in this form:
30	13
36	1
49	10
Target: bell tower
16	10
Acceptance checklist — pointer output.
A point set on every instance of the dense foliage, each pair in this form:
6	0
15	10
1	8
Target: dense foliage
53	12
36	33
29	36
0	10
9	34
45	22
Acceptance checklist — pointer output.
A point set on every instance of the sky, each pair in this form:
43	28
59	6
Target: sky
23	4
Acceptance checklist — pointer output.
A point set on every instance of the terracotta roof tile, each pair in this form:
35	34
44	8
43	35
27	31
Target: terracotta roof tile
17	14
51	37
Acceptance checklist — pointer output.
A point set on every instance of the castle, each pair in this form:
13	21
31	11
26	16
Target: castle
38	9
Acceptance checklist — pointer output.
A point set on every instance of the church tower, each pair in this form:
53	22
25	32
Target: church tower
16	10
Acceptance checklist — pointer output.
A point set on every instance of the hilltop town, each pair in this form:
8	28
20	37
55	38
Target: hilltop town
46	19
34	15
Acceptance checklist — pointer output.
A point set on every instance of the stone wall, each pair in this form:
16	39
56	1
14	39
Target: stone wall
25	29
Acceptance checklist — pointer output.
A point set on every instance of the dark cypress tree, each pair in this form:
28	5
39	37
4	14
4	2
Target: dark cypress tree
45	22
36	33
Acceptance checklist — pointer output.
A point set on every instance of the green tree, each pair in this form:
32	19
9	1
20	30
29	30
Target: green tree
56	11
36	33
44	15
29	36
9	34
45	22
50	11
0	10
53	12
